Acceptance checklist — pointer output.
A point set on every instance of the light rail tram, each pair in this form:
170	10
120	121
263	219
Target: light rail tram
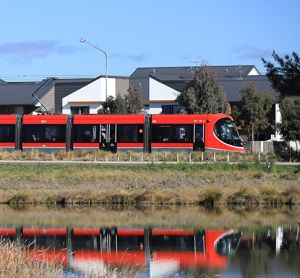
198	132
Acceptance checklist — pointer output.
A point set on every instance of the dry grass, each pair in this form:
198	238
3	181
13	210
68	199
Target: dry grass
20	261
132	156
15	263
148	184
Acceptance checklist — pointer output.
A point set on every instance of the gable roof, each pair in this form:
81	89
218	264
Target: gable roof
20	93
187	73
233	87
232	78
17	93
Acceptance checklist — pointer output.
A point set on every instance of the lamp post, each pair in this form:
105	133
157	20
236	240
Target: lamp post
101	50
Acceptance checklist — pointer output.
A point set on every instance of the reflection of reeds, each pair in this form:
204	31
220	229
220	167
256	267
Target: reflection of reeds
250	216
20	261
15	263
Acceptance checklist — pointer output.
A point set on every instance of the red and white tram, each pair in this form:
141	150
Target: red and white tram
203	132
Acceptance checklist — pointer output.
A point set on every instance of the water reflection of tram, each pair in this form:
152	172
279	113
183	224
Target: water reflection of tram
120	132
159	251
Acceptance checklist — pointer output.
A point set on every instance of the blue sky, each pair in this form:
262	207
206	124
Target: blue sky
41	38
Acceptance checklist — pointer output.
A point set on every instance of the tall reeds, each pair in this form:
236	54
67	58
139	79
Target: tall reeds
15	263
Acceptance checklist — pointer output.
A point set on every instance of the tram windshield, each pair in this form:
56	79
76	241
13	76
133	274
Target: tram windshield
225	130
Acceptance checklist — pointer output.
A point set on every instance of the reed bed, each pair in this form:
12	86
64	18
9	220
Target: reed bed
15	263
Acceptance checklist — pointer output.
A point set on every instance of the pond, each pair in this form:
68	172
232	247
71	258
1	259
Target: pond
160	242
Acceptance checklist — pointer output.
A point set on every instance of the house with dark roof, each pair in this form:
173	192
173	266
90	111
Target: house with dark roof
160	86
16	97
59	96
27	97
176	77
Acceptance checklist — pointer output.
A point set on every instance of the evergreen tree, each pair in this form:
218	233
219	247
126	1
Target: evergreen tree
252	113
285	77
290	120
203	94
134	100
120	105
113	106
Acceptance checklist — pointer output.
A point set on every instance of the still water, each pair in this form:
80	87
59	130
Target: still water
215	250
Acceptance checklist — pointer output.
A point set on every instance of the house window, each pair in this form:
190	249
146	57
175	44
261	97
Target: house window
81	110
169	109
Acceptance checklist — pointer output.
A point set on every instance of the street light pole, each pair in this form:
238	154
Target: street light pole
101	50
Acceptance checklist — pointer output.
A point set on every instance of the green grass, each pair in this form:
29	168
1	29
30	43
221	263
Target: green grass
152	167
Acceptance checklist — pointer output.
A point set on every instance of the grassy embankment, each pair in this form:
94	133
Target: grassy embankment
183	183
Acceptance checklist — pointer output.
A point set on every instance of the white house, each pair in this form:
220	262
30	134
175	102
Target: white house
88	99
161	98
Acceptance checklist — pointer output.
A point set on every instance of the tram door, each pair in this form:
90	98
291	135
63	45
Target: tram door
198	144
108	137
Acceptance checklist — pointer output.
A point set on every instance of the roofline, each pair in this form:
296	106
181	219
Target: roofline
219	66
86	102
112	76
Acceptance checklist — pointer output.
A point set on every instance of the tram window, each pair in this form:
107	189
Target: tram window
162	133
172	133
130	243
86	133
130	133
182	243
183	133
112	136
199	138
44	133
7	133
226	132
